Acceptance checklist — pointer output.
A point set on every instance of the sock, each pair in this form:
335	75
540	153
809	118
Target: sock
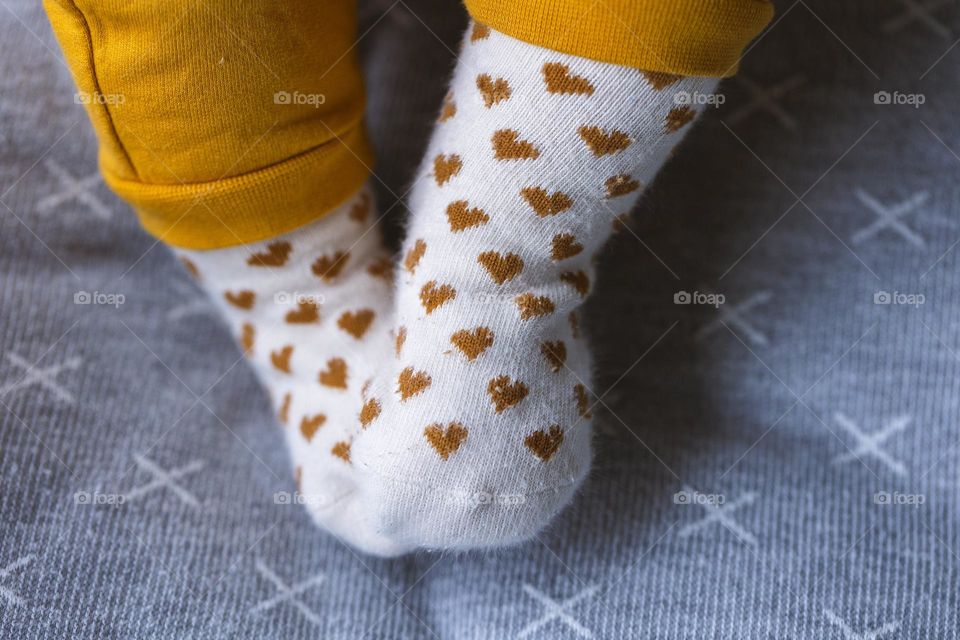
479	432
310	311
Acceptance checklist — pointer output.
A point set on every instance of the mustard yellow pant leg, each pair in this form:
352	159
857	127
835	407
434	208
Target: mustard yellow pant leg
221	122
683	37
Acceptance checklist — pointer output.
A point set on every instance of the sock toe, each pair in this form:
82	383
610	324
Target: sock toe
417	515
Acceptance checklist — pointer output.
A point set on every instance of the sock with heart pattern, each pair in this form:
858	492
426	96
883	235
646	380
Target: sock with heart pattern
310	309
479	433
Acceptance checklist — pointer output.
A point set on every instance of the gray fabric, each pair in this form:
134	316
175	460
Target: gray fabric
797	411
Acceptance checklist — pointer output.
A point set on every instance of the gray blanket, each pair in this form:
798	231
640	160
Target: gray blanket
781	465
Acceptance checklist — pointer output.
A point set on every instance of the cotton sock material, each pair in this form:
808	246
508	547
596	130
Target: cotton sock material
479	432
310	311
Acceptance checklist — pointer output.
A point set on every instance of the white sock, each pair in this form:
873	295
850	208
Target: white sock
310	309
483	426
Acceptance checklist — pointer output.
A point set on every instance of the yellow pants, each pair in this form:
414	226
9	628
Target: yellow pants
229	121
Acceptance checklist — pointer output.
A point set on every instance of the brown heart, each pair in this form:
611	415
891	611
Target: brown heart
679	117
473	342
621	185
544	444
462	217
583	400
242	299
410	383
507	145
356	323
191	268
480	32
660	80
360	210
305	313
506	394
501	267
560	80
493	91
281	359
342	450
329	267
369	412
284	413
413	256
545	204
247	336
449	108
276	255
446	441
433	295
532	306
335	375
310	424
565	246
555	352
381	268
578	280
445	167
602	143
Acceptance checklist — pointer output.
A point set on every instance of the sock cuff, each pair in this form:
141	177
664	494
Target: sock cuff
683	37
253	206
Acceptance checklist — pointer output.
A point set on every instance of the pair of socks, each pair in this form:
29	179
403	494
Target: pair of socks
443	400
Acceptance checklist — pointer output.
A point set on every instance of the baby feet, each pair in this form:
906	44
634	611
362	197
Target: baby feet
310	311
479	431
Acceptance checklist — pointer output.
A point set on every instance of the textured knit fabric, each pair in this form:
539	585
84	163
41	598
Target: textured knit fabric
805	549
687	37
309	309
485	428
209	114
